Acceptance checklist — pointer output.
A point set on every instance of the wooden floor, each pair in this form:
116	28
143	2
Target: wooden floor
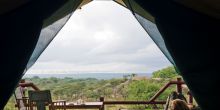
86	105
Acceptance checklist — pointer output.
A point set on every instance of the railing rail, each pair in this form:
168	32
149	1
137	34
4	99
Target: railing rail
152	100
21	100
133	102
178	83
29	84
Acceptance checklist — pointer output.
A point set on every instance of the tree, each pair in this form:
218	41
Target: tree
168	72
125	77
133	75
142	90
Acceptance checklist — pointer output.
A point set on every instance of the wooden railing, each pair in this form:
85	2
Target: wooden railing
152	100
22	102
29	84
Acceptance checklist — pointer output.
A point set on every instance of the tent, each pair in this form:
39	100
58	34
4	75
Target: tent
186	31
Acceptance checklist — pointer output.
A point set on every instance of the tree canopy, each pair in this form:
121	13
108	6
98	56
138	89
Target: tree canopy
168	72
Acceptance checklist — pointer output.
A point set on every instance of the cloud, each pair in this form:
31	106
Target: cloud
101	37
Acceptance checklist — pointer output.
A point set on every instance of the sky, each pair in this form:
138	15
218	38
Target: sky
100	37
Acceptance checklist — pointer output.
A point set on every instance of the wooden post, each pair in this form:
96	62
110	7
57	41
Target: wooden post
179	85
103	105
190	98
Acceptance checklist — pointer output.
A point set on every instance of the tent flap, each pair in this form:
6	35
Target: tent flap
49	31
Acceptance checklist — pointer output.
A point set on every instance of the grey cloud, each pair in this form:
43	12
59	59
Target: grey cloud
102	35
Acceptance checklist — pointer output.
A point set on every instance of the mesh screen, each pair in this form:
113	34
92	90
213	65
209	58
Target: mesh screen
155	35
46	36
50	29
146	20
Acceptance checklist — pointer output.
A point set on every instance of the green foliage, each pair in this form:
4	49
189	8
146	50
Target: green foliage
115	82
168	72
10	104
144	89
91	89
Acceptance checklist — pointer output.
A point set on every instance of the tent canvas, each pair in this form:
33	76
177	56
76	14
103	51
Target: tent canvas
188	38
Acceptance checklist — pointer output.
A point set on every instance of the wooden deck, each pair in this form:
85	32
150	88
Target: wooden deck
86	105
